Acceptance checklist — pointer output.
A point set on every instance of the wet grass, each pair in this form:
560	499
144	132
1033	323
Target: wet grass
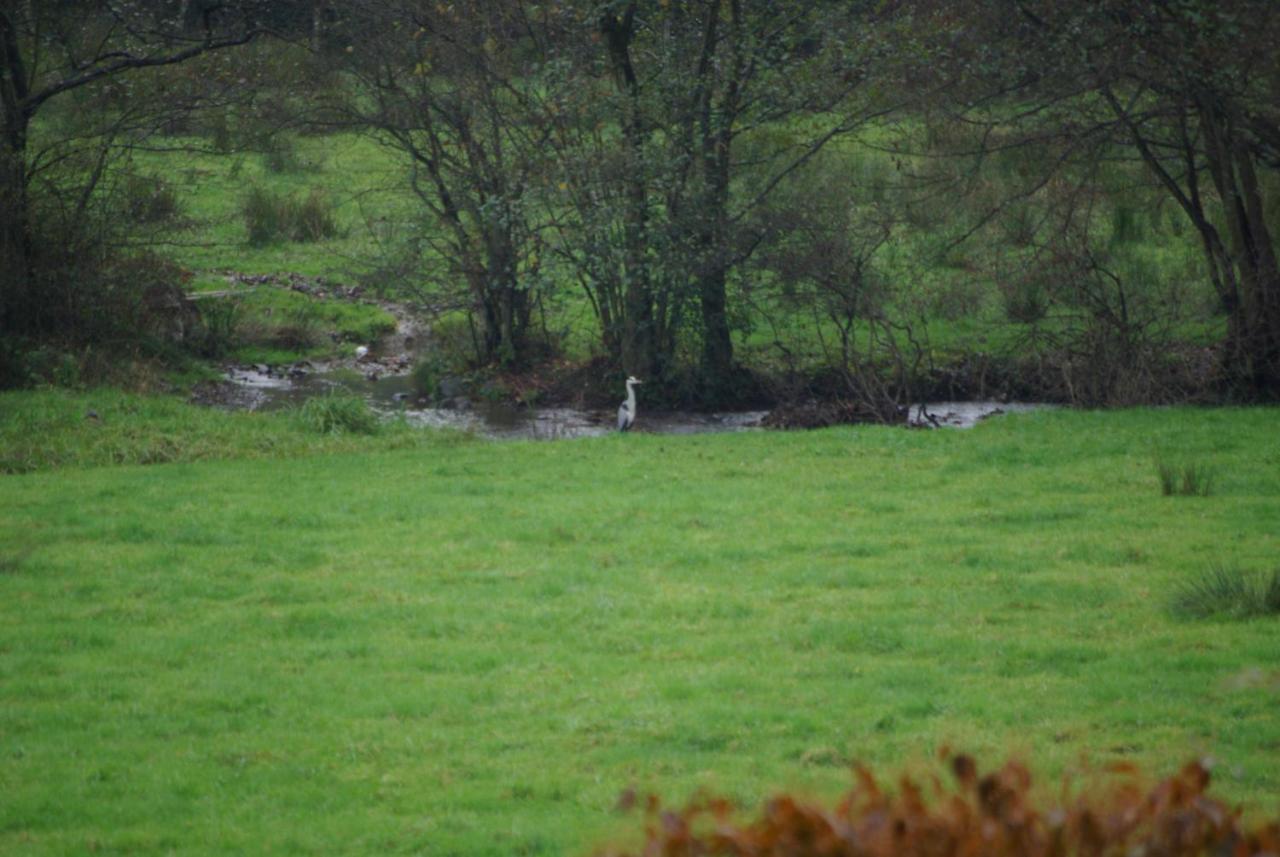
276	326
472	648
56	429
364	186
343	194
1228	592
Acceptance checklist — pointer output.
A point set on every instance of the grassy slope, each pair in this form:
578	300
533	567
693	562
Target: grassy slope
362	181
376	211
472	648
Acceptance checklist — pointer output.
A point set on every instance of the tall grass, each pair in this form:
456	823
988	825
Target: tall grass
270	217
1228	591
1189	479
149	199
338	414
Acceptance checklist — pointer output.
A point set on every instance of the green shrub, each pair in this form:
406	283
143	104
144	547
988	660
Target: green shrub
338	413
1128	224
1228	591
1270	599
453	339
431	369
15	368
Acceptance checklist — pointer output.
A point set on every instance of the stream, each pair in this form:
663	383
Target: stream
261	389
380	374
392	395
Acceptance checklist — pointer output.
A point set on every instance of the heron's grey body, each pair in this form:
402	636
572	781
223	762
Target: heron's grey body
627	410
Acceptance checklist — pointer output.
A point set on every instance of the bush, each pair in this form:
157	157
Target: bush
338	414
1226	591
993	816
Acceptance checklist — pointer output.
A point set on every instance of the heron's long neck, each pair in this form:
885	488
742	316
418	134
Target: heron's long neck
631	396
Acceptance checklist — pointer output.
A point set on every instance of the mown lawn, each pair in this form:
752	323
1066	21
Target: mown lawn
473	647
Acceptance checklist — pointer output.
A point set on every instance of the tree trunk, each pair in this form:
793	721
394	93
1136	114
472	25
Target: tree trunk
715	132
1256	321
1243	267
637	323
712	271
717	345
318	12
16	246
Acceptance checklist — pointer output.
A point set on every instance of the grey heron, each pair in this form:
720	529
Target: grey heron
627	410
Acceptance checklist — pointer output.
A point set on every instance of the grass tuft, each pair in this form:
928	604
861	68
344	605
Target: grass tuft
150	199
270	218
339	414
1192	479
264	214
1228	591
311	219
11	561
1270	593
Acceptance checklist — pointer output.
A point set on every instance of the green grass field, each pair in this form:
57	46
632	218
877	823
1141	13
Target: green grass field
336	645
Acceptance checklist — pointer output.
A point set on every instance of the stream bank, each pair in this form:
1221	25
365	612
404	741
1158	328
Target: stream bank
392	395
565	401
